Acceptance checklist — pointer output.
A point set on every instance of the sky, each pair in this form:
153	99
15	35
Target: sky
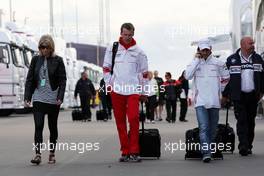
164	29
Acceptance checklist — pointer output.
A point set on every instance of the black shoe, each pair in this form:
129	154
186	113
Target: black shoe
206	159
243	152
135	158
184	120
173	121
52	159
124	158
36	160
249	152
168	120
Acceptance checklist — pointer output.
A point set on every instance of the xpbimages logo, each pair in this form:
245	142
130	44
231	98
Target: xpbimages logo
132	88
173	147
79	147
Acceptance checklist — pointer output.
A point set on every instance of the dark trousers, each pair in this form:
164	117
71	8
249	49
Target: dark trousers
150	107
171	110
39	116
184	107
85	105
107	104
245	113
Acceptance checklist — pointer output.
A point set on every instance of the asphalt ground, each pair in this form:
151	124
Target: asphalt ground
93	149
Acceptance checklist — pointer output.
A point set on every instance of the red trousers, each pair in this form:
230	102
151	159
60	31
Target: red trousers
127	106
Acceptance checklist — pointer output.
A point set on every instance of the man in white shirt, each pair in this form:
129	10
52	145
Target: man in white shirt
209	76
127	83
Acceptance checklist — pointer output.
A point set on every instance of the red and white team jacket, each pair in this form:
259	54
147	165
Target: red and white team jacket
130	70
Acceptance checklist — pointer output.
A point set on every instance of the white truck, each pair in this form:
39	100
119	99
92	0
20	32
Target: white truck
60	50
73	74
11	73
69	56
27	47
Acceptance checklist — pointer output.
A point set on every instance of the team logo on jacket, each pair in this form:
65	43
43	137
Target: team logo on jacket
235	69
233	61
257	67
246	66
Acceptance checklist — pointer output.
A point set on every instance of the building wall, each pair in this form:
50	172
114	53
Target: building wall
258	24
89	53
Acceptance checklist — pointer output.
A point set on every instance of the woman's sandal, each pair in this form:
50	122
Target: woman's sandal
52	159
36	160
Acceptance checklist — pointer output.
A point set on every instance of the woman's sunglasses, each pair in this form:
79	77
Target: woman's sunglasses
43	47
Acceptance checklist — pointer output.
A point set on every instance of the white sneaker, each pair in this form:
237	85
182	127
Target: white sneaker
206	159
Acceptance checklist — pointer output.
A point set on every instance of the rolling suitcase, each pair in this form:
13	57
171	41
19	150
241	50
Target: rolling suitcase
192	142
192	139
226	136
77	113
101	115
149	139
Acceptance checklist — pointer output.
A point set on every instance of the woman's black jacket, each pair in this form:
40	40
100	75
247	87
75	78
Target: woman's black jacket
57	76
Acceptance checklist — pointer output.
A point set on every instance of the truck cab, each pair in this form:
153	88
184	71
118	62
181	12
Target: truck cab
11	74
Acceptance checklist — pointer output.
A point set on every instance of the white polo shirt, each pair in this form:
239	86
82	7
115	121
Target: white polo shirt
247	74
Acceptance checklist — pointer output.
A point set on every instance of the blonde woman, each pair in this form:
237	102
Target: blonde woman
152	103
45	87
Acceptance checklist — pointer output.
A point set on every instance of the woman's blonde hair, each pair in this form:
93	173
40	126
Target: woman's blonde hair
46	40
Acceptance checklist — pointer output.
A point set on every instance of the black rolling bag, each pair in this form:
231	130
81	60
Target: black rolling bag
224	135
101	115
77	113
149	139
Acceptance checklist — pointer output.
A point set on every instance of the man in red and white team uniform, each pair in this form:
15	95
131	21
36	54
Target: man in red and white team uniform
127	85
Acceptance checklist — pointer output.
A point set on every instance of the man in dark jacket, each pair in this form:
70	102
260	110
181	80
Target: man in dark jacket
172	91
245	89
86	91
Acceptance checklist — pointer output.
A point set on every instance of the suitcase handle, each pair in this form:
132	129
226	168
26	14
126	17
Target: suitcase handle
142	120
225	134
227	108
